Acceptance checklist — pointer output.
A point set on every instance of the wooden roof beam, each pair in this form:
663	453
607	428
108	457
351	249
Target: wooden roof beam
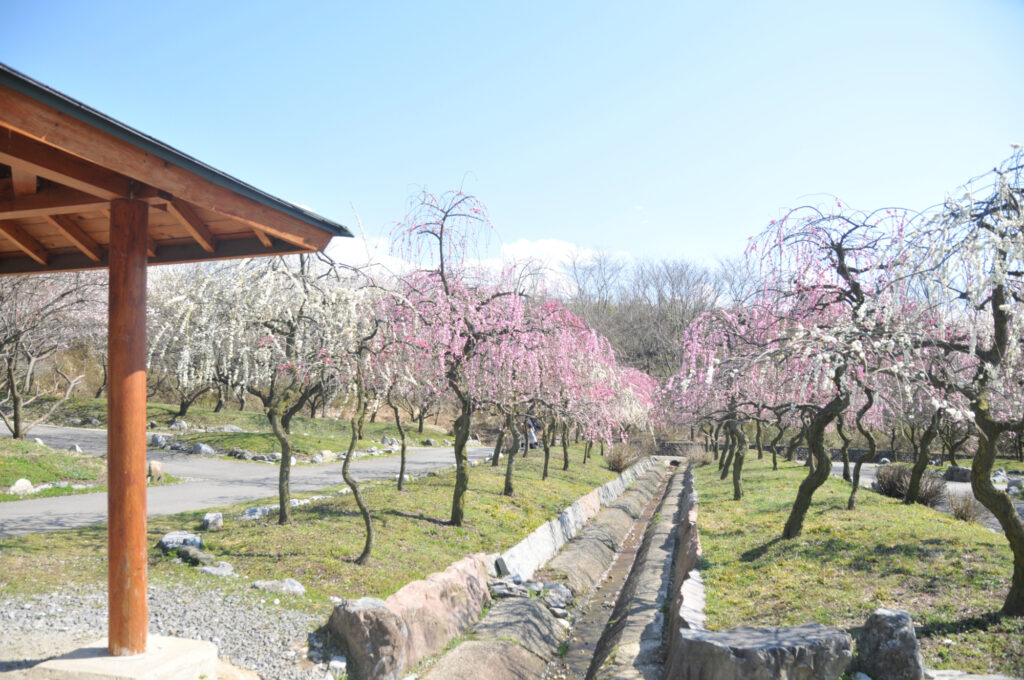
72	232
22	152
23	182
28	117
197	229
55	201
25	243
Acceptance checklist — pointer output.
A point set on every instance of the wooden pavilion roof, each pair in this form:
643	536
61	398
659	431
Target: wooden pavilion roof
61	163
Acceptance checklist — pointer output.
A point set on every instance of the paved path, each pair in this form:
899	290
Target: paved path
210	482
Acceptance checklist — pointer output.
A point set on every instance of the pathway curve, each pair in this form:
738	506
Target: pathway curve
211	482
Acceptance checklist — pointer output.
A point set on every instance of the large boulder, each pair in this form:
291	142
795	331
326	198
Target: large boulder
799	653
441	607
887	648
955	473
176	539
158	441
373	636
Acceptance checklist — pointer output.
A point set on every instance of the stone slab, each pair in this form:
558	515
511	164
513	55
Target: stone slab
524	621
493	659
166	658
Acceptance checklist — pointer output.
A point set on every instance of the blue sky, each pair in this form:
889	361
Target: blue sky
660	129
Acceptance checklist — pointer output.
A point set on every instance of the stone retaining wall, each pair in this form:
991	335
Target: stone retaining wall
382	638
528	555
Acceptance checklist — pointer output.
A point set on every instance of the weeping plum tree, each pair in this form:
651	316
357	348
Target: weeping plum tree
969	263
460	313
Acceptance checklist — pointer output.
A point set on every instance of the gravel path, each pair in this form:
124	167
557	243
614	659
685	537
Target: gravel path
250	632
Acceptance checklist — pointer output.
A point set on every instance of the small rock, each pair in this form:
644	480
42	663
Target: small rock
557	596
152	424
201	449
158	441
289	586
75	448
21	487
559	613
884	461
338	664
428	442
179	425
227	428
38	441
317	458
92	422
219	569
195	556
213	521
505	587
155	472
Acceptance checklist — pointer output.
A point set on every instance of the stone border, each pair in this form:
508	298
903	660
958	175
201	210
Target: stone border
384	637
634	647
527	556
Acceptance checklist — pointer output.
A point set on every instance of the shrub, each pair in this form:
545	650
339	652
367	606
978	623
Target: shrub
700	457
964	507
620	457
894	479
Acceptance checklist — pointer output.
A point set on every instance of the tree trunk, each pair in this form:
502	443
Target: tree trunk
757	439
103	385
892	445
284	495
462	425
729	452
546	438
793	443
820	472
401	433
872	447
509	464
774	446
357	417
220	400
420	418
565	446
496	456
587	447
921	462
844	451
739	447
714	440
241	401
998	502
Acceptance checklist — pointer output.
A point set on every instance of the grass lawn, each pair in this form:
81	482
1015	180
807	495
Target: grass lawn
317	548
309	435
951	576
40	464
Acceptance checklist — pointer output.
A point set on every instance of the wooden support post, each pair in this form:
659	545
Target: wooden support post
126	428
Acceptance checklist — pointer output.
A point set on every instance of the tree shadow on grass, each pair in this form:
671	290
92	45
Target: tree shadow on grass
972	623
419	517
757	553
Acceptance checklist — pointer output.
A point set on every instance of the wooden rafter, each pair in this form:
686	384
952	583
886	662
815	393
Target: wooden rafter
22	152
52	201
263	238
197	229
72	232
26	243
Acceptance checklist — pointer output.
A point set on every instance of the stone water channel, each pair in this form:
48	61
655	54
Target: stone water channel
597	614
